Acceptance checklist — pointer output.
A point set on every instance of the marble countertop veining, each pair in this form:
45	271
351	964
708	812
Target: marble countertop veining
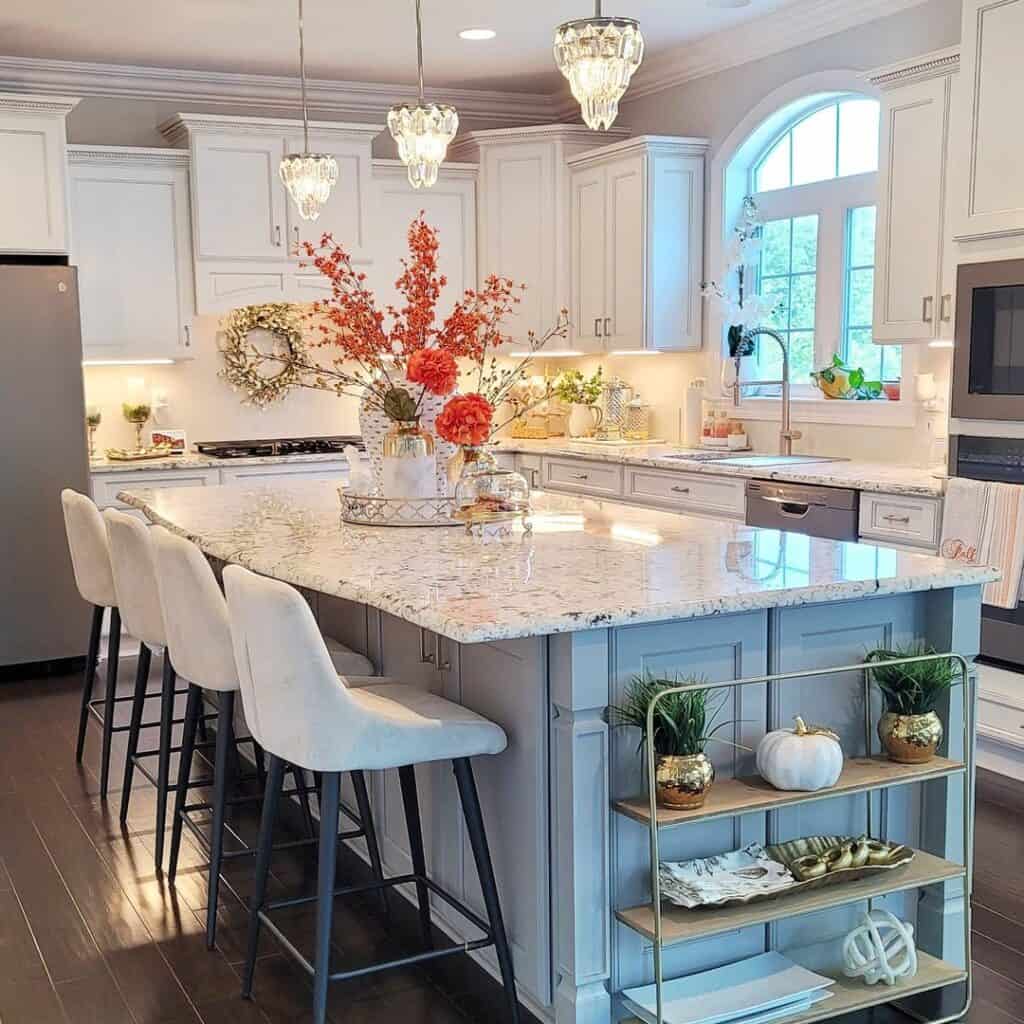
883	477
193	460
587	564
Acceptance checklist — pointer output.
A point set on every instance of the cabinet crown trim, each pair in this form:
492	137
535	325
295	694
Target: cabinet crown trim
25	103
461	170
127	155
178	129
469	144
920	69
676	145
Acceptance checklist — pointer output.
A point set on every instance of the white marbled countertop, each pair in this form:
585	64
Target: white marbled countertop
587	564
883	477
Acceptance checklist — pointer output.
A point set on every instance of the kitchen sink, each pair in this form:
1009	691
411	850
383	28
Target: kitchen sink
754	461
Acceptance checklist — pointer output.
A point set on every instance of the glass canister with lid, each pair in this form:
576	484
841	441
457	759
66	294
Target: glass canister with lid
636	424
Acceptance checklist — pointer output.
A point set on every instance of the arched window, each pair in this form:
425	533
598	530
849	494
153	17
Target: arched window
815	185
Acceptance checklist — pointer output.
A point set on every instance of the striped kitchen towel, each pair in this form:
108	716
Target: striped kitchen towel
983	524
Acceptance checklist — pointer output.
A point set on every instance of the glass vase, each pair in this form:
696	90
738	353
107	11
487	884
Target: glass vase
409	468
485	493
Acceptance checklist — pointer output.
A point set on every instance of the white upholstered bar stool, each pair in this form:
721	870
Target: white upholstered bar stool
90	559
301	712
199	640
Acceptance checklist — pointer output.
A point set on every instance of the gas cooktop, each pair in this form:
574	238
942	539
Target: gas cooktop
278	446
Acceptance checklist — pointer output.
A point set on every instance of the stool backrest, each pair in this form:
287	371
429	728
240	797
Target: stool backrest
131	558
195	613
90	550
295	705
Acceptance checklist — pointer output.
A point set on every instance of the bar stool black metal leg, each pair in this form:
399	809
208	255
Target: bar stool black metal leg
261	763
299	777
221	772
193	711
138	706
329	800
366	820
485	872
90	678
264	850
113	656
164	758
410	800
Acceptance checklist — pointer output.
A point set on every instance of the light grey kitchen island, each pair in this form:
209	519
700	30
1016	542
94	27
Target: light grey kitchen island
541	632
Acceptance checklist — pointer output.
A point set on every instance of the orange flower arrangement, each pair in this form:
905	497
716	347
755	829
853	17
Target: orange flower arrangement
435	369
466	420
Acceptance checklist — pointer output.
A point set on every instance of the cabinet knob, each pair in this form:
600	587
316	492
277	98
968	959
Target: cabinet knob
607	326
928	309
597	327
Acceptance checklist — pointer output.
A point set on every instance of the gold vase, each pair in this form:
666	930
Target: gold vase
409	469
910	739
683	781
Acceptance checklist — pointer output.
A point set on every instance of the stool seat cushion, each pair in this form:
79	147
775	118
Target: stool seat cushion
412	726
90	550
135	579
346	661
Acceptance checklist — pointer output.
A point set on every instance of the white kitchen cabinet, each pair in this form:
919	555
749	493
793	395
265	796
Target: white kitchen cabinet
283	472
717	496
523	216
901	520
33	173
106	486
637	228
131	241
246	226
582	476
449	206
990	145
914	287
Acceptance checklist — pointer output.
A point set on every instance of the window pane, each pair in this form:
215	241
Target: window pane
860	299
862	236
814	147
776	289
892	362
858	136
862	352
801	304
773	171
801	356
805	243
775	248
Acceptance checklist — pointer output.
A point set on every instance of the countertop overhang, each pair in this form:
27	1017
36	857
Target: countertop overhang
587	564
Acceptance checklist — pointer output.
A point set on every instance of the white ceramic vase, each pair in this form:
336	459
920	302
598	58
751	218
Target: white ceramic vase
583	419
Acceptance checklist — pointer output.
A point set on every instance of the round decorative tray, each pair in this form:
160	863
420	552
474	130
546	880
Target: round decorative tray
370	510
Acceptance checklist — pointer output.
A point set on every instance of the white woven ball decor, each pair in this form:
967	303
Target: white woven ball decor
880	948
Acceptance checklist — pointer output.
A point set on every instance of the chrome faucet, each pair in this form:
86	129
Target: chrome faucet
786	433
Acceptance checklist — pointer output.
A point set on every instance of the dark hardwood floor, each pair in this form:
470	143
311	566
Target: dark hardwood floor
89	934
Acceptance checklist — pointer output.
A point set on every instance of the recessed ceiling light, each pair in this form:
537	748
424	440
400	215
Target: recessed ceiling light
477	34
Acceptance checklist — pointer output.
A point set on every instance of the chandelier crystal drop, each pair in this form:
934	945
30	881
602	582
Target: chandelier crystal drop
598	56
308	177
424	131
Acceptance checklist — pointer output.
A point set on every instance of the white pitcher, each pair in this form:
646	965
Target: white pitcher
584	419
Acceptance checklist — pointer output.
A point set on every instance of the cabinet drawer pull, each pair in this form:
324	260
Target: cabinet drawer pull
296	230
597	327
928	309
607	326
188	336
893	518
946	308
680	490
277	234
580	476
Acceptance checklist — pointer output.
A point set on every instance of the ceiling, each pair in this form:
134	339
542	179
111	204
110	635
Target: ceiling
369	42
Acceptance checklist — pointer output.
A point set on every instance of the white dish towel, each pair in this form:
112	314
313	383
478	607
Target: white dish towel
983	524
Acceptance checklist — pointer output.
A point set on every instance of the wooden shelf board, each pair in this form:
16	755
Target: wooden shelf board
750	793
680	924
851	994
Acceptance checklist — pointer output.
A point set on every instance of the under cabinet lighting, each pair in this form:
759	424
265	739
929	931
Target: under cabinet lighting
127	362
633	352
543	353
940	343
477	34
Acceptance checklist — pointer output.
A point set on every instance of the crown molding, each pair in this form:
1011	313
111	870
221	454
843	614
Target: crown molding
468	145
676	144
128	156
249	91
793	25
24	103
920	69
178	128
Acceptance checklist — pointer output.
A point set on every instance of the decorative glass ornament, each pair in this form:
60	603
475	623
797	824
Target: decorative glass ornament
487	494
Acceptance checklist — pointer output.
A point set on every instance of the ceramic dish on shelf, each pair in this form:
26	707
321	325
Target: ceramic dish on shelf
759	873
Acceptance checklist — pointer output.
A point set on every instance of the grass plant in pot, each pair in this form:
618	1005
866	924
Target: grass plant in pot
910	728
683	725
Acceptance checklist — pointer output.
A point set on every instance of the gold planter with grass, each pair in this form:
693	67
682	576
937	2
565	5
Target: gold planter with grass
683	780
910	739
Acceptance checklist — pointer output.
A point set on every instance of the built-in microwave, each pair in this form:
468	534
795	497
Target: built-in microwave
988	358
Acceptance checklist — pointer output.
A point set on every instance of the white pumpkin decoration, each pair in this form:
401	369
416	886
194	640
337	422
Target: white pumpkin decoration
806	758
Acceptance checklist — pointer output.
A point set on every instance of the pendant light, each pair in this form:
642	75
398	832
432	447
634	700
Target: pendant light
309	177
599	55
424	131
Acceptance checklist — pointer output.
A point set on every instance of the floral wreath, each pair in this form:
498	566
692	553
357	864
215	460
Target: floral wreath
243	361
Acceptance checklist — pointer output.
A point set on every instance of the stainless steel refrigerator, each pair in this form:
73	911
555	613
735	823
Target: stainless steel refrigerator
42	450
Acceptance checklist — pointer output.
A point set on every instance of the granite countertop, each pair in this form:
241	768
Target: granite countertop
588	563
192	460
885	477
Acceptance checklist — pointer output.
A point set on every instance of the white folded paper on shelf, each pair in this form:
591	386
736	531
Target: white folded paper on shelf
759	989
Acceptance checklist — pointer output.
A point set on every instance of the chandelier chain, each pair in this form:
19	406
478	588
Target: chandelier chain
302	82
419	47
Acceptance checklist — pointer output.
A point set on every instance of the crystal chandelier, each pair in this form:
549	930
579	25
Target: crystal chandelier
424	131
309	177
599	55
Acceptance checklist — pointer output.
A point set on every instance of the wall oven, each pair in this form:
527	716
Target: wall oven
1001	459
988	360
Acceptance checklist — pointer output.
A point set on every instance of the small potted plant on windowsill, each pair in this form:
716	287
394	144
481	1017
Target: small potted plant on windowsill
683	725
910	728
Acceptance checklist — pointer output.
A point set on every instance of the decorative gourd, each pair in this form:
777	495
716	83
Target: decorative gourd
806	758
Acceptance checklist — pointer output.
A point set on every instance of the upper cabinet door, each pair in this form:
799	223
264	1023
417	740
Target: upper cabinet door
910	235
33	174
991	201
588	219
344	215
239	198
626	230
133	252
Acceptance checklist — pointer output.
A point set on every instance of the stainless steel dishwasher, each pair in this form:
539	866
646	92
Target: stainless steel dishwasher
803	508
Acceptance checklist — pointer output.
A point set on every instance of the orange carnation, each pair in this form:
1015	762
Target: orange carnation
465	420
435	369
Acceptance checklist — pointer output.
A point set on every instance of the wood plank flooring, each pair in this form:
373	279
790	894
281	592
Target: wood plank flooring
89	934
